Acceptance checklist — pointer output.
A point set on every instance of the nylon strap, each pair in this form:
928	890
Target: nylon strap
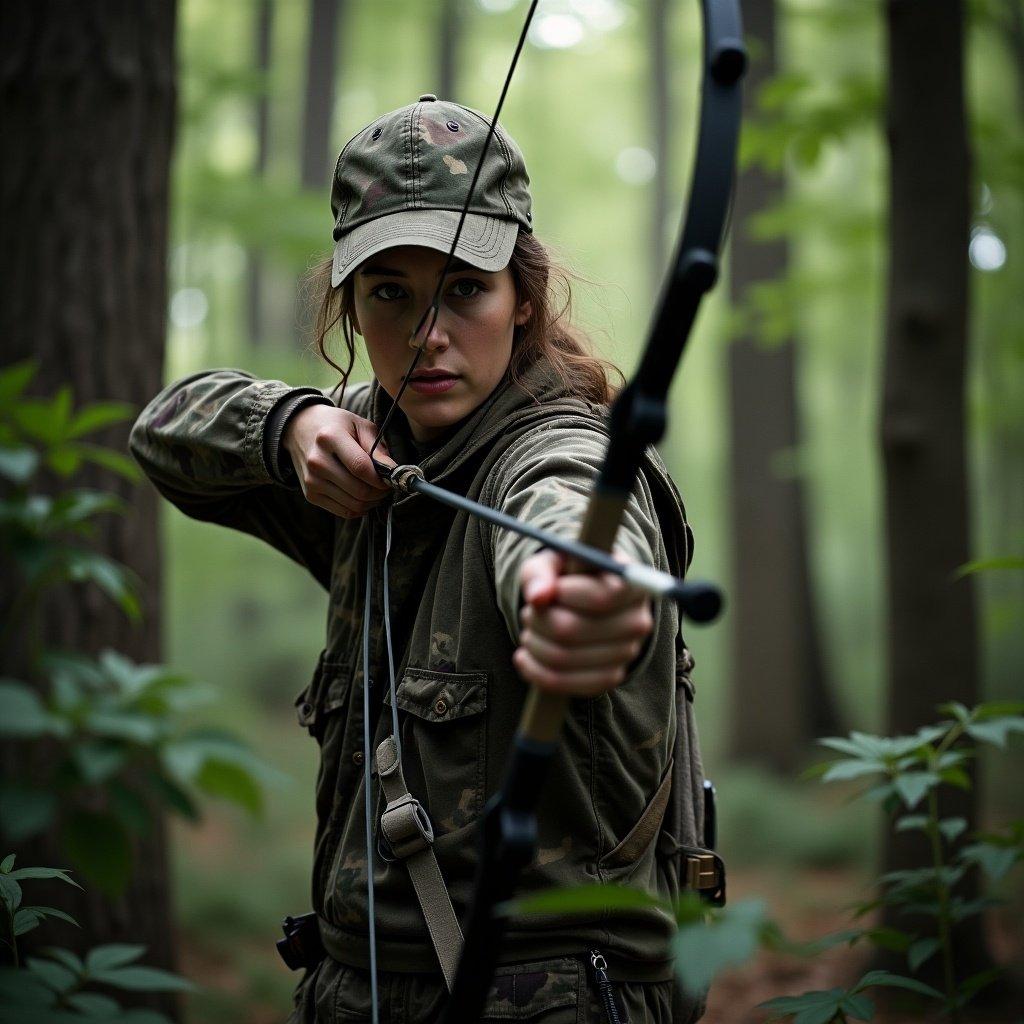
409	834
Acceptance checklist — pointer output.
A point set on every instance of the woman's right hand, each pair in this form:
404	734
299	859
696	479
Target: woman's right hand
329	448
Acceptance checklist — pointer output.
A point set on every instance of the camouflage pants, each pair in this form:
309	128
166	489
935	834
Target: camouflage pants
544	992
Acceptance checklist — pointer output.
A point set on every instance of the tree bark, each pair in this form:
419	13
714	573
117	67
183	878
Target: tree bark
264	39
87	100
447	48
781	699
321	55
657	23
932	628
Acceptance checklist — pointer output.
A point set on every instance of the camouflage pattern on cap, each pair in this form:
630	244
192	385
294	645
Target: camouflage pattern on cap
404	178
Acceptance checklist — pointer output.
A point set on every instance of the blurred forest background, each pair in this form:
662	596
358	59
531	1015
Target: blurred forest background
775	439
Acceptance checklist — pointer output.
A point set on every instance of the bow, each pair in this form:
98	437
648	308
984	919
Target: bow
637	419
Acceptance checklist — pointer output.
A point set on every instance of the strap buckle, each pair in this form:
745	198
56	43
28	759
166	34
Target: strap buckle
406	827
704	873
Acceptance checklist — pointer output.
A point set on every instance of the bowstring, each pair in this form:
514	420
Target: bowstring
433	310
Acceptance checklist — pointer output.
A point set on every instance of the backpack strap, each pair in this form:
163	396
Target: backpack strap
410	836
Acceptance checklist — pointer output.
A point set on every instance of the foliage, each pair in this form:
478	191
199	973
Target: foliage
118	747
912	770
54	989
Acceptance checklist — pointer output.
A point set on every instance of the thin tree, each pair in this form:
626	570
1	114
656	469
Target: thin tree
87	100
447	47
263	41
932	634
658	63
780	695
317	109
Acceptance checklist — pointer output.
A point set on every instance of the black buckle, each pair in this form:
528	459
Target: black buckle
301	945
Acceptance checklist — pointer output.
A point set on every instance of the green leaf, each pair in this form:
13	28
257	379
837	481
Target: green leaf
116	580
10	893
97	760
174	797
851	769
976	982
124	725
53	912
987	565
18	464
63	460
66	957
998	709
582	899
15	378
860	1007
884	978
109	459
956	777
912	786
106	958
130	807
703	950
920	952
54	976
912	821
95	1006
952	827
97	415
818	1007
889	938
7	863
22	712
220	778
994	860
25	920
99	846
142	979
995	730
60	873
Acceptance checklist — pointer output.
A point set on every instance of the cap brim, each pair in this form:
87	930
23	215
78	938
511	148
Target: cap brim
485	242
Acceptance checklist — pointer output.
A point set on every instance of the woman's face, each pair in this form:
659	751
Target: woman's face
468	349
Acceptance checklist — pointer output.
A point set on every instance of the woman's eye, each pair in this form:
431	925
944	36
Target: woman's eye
388	291
466	288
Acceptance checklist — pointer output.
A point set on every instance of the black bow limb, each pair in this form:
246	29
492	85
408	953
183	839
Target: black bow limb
638	417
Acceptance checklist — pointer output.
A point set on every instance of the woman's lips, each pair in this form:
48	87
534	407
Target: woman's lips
433	385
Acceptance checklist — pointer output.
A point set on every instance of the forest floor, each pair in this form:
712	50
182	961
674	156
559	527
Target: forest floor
806	906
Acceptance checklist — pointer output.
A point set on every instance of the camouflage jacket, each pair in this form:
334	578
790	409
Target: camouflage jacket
210	445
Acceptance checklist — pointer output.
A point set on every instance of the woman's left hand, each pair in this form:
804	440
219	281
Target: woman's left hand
578	631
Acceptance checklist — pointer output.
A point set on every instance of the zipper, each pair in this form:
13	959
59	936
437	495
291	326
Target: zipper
599	968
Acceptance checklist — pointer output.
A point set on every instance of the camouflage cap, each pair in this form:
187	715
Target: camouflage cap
403	180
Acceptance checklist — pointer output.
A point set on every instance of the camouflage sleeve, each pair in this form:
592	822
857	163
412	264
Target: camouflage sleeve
546	480
202	442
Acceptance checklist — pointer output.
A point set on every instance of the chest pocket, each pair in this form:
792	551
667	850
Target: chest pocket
321	708
443	730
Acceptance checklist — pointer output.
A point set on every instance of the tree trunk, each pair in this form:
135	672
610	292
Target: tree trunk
317	145
932	630
657	22
87	100
781	698
264	38
447	48
321	55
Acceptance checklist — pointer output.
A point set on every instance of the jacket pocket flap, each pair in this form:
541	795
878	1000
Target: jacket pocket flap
327	691
441	696
527	991
643	833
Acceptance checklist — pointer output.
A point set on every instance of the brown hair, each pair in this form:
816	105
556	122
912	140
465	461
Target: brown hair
549	333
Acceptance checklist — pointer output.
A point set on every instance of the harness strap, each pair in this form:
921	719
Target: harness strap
407	828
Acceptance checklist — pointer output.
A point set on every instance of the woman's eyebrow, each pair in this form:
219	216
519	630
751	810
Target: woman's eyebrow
379	270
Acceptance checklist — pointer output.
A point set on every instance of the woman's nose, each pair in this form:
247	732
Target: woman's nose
436	338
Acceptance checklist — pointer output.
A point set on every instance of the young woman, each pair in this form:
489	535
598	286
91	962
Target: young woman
438	622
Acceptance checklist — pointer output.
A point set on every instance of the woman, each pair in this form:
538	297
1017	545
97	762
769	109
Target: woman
453	617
